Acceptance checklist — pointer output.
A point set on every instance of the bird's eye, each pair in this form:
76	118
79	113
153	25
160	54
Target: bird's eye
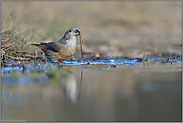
69	30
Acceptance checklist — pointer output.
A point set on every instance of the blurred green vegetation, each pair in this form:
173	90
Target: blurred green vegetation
130	27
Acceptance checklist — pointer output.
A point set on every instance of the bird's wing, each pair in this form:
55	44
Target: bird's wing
51	46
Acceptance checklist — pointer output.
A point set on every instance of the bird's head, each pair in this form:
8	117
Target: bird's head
71	33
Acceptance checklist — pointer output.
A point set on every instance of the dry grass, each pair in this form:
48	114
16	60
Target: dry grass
115	28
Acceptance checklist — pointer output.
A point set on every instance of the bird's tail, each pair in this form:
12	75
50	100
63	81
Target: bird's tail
40	45
36	44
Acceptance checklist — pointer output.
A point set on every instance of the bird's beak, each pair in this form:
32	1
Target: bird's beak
77	32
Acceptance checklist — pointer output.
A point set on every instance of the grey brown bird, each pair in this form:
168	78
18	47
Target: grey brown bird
61	49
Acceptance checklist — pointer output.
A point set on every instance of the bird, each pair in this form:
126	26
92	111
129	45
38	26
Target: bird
62	48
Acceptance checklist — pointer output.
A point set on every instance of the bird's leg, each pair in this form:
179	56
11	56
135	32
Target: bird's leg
73	59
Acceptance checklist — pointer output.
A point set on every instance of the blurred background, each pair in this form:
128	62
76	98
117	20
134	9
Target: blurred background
108	28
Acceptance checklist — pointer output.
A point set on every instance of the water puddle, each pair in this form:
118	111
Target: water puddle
111	89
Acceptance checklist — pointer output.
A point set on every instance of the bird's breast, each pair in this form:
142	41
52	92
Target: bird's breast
69	48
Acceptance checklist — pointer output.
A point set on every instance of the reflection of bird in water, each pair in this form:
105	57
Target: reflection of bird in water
71	89
67	82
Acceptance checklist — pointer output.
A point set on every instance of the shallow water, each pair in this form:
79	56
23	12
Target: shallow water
105	92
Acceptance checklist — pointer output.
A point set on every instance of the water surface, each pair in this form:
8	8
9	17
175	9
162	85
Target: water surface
121	92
